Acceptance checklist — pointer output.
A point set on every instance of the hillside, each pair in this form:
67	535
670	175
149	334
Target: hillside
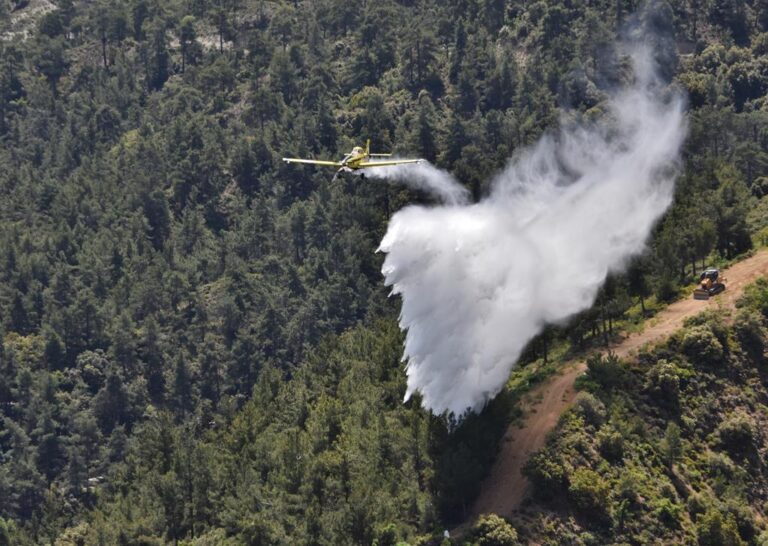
506	485
668	448
196	345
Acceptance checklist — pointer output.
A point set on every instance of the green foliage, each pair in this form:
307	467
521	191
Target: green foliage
749	330
611	444
491	530
713	529
195	345
5	534
677	459
589	493
701	346
591	408
607	370
546	473
672	447
663	382
668	512
756	297
736	434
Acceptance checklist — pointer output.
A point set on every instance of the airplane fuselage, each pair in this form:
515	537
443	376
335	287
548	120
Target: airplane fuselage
353	159
359	158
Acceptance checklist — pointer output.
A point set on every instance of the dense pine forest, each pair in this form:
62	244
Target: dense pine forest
196	346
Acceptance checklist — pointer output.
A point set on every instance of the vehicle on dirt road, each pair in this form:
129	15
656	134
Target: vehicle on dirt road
710	284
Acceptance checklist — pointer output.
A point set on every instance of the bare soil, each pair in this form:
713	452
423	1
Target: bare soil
505	487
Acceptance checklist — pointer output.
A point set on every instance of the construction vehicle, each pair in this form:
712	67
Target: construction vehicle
710	283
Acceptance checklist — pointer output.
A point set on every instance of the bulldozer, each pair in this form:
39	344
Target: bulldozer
710	284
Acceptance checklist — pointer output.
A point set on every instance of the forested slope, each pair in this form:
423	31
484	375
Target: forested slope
667	449
196	342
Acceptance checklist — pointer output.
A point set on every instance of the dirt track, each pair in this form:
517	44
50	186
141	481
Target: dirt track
505	487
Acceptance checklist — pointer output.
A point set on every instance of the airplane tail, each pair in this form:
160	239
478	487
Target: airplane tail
368	150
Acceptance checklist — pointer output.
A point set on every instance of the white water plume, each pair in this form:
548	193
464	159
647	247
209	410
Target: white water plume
425	177
479	281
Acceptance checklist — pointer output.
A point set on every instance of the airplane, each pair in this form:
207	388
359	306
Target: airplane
355	160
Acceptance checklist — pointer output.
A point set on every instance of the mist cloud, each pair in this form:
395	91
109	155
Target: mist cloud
479	281
427	178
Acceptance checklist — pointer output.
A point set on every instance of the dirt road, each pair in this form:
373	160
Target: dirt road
505	487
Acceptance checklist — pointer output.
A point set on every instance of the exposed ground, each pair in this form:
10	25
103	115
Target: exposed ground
506	487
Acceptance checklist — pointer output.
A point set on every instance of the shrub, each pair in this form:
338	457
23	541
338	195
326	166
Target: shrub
628	488
702	347
546	473
696	505
720	466
492	530
756	296
748	328
589	493
386	535
760	43
590	408
610	443
668	513
666	290
5	534
712	319
607	370
736	434
713	529
744	518
662	381
672	446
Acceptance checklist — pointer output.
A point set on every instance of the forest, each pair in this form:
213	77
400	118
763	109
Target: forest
196	345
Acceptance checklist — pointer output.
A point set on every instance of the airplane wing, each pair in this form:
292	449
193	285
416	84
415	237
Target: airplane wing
313	162
388	163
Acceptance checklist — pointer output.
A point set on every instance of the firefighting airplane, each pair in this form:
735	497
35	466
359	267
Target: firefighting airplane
355	160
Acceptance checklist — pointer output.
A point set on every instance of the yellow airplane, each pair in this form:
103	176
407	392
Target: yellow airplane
357	159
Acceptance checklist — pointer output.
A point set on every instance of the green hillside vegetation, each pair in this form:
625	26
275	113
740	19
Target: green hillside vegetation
196	344
669	448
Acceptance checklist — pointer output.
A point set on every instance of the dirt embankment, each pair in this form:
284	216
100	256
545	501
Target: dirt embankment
506	487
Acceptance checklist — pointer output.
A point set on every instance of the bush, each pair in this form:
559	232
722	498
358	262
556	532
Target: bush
713	529
607	370
492	530
546	473
702	347
744	518
5	534
610	443
720	467
696	506
737	434
668	513
748	328
590	408
712	319
628	488
662	381
672	446
386	535
589	493
666	290
756	296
